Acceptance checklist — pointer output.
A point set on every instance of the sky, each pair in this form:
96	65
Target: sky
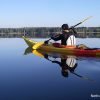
48	13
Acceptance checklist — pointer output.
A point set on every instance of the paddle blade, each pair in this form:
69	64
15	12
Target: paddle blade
37	45
86	19
82	21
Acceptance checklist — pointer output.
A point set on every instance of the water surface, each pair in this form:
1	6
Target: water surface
30	77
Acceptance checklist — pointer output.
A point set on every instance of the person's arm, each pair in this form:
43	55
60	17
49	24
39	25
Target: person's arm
47	57
57	62
74	31
56	38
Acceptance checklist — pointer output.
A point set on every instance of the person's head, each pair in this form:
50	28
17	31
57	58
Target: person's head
64	73
65	27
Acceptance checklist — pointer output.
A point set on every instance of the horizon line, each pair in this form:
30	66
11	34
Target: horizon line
46	27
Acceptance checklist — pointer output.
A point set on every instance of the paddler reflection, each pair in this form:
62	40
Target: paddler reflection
67	64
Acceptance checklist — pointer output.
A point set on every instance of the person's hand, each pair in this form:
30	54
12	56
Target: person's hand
46	56
72	28
46	42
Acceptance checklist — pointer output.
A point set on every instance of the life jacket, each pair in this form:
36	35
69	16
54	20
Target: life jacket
71	61
71	41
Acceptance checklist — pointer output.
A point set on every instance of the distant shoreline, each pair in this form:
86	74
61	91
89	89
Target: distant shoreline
46	32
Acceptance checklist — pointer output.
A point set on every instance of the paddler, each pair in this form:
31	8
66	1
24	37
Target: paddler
67	37
67	65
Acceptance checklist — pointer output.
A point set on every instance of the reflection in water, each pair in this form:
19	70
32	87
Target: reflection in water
67	63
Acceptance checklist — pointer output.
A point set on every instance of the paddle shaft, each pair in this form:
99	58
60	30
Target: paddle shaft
85	78
49	39
82	21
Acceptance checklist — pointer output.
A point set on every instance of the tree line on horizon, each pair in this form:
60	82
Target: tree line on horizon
45	32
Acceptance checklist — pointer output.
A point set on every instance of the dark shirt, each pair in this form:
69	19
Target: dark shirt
64	36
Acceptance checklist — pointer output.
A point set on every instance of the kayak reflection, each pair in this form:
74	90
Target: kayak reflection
67	63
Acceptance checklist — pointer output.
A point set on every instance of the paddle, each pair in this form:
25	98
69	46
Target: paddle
76	25
82	77
39	44
82	21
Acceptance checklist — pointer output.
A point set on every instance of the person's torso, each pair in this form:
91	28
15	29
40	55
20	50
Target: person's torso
64	37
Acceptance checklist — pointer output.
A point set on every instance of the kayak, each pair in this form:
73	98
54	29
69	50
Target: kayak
64	50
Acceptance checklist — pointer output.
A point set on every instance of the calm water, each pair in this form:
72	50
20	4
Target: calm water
30	77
